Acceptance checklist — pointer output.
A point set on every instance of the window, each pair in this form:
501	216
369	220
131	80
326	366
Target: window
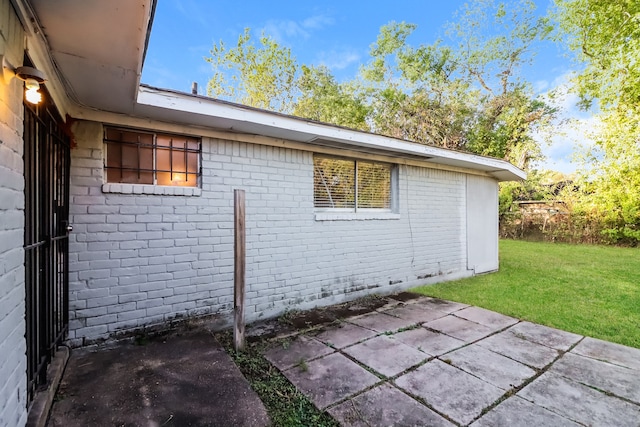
351	185
136	157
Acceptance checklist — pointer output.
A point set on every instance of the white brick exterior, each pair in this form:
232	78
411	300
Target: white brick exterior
142	259
13	379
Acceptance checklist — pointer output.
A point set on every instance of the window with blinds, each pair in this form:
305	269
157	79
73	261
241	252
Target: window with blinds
136	157
351	185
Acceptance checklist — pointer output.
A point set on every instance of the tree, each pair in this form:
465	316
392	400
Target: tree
412	91
494	41
504	127
467	96
605	38
323	99
262	77
433	94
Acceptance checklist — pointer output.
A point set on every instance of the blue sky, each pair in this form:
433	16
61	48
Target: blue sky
332	33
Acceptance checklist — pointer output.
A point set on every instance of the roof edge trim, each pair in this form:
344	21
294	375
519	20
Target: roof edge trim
236	115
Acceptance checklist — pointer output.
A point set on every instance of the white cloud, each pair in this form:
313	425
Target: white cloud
159	76
570	134
338	59
540	86
317	22
281	30
198	49
192	10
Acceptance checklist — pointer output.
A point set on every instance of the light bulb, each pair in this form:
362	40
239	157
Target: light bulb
32	95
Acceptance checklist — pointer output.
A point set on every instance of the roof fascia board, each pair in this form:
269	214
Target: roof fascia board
115	119
170	100
146	38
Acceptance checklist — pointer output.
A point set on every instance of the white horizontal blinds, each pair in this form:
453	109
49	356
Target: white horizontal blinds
334	183
351	184
374	185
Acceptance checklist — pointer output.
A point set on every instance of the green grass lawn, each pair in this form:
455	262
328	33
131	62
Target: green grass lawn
589	290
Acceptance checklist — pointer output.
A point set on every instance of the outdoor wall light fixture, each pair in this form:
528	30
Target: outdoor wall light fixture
31	94
32	79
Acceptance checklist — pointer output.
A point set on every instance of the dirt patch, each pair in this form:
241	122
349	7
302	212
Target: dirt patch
293	321
405	296
267	329
326	315
307	319
436	301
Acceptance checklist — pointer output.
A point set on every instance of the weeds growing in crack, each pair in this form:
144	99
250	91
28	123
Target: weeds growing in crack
285	404
302	365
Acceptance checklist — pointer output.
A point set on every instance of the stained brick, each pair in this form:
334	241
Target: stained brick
186	260
12	327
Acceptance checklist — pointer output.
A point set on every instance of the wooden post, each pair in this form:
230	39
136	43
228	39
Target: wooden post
239	269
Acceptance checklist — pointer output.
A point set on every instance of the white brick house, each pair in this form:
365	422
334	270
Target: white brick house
332	214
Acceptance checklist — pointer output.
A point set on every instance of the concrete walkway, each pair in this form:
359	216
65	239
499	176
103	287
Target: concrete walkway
177	380
429	362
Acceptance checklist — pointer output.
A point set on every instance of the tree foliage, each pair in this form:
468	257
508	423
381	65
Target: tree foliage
494	41
323	99
413	91
262	77
605	37
467	95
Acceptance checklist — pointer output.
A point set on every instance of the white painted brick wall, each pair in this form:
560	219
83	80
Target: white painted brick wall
13	379
140	259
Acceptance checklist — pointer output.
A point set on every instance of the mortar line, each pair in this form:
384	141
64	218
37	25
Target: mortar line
390	380
608	393
539	372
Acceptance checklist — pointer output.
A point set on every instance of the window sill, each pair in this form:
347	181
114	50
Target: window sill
355	216
156	190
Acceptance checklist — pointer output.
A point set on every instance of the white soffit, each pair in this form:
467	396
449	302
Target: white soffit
98	47
182	108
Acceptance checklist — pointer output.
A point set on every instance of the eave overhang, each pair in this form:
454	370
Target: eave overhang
93	52
183	108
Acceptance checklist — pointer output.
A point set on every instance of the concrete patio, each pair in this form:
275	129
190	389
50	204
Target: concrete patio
428	362
181	379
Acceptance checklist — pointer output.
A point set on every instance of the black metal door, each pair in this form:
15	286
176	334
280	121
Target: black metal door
46	240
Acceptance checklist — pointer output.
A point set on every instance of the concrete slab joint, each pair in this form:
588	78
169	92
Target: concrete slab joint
446	364
423	362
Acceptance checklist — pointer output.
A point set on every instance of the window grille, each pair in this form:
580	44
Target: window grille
351	184
136	157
